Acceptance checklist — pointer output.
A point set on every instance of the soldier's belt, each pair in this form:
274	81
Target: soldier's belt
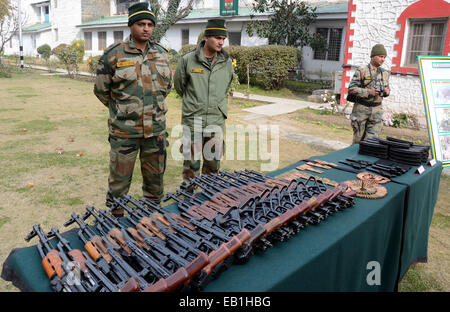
364	102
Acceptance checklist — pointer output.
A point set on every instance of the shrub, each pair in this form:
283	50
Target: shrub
201	36
78	47
70	55
93	63
186	48
268	65
400	120
45	51
173	57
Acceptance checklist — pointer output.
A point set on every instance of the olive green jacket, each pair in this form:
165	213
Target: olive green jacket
203	87
134	85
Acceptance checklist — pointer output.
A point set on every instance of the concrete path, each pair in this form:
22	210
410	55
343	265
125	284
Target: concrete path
56	71
279	106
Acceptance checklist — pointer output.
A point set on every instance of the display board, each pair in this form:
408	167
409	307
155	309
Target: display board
435	81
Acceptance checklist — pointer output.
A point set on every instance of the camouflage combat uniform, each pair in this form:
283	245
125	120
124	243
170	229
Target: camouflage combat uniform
367	114
134	85
204	87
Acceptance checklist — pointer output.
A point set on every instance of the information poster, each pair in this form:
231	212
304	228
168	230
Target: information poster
435	79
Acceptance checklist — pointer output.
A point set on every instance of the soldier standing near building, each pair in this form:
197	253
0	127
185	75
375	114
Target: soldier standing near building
203	78
133	79
366	89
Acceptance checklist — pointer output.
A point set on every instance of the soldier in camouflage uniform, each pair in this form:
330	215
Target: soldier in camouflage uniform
133	79
203	78
366	89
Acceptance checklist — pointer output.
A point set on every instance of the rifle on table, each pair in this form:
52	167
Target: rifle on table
98	280
106	258
128	246
285	218
55	267
218	258
167	248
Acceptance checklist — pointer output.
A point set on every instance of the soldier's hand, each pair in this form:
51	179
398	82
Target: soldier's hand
372	91
386	91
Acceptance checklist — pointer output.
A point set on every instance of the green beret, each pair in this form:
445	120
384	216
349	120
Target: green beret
216	27
140	11
378	49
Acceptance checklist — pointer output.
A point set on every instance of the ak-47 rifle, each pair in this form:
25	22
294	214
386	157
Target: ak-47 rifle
286	218
181	231
106	257
119	237
97	280
220	258
57	270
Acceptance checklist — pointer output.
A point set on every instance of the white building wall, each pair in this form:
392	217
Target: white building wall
65	18
376	22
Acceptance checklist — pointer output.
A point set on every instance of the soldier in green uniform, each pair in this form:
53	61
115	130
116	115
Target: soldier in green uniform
202	78
133	80
367	88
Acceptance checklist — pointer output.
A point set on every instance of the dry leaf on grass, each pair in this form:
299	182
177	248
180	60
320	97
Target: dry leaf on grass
30	184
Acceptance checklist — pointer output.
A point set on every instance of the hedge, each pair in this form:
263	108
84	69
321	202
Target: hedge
268	65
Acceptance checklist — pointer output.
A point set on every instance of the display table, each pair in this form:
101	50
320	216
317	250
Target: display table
336	255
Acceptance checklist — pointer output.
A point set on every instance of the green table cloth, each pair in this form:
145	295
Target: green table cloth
367	247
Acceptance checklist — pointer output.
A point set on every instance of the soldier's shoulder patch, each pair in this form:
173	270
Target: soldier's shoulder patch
193	50
112	46
161	47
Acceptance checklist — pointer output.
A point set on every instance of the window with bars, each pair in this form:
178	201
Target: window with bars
87	41
425	37
118	36
333	38
184	36
101	40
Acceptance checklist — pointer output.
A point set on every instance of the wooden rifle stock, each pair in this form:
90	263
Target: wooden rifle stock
77	256
132	285
182	275
116	237
97	248
226	249
149	227
52	264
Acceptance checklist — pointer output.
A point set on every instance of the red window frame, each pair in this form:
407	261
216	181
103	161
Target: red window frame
420	9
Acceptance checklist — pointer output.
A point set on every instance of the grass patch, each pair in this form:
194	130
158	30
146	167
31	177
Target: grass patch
4	220
417	280
38	125
282	93
440	220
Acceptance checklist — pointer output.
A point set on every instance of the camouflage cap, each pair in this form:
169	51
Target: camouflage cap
140	11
